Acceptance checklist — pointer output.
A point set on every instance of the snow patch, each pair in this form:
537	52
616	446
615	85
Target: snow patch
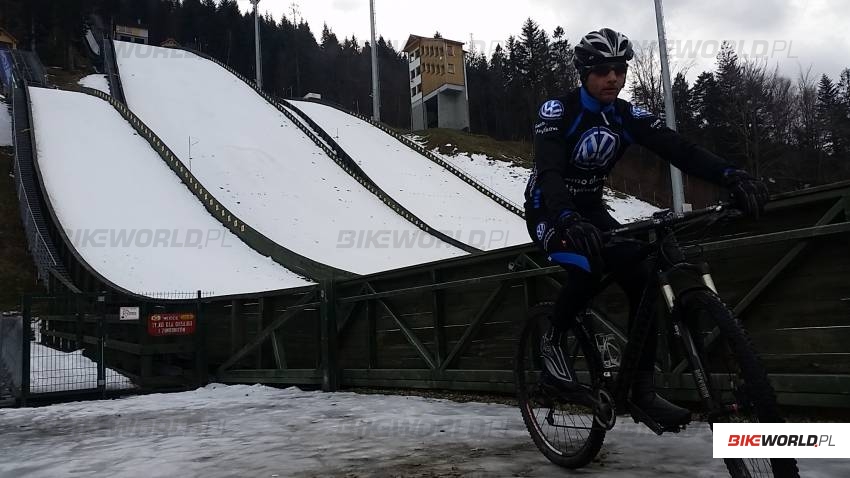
5	124
97	82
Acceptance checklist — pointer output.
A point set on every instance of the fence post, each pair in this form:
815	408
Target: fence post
200	344
26	322
101	344
330	370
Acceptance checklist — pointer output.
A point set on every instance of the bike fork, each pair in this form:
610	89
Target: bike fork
701	378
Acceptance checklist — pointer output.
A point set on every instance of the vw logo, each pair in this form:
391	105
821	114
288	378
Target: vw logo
596	148
552	109
541	231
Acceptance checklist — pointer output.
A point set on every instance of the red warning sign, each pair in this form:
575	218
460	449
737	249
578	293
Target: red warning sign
160	325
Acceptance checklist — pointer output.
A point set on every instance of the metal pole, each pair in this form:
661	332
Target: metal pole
376	90
669	106
257	43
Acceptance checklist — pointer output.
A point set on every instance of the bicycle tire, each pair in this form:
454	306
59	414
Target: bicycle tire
530	394
732	360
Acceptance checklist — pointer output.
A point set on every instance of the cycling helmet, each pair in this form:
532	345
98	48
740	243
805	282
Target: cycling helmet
600	47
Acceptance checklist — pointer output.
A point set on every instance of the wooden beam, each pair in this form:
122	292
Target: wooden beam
372	333
455	284
352	310
279	351
407	332
288	313
773	237
438	314
237	326
329	348
767	280
783	263
485	311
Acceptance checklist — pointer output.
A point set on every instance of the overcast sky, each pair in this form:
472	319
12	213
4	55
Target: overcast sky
792	33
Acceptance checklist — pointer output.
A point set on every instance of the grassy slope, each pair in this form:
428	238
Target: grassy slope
514	151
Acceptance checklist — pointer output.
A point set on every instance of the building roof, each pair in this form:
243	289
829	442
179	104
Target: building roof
415	38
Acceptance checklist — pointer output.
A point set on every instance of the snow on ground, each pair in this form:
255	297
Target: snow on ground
509	180
52	370
5	124
437	196
97	82
262	167
128	214
219	431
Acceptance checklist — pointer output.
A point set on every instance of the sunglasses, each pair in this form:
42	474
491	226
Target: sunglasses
606	68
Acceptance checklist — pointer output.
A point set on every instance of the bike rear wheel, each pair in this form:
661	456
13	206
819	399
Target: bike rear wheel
563	428
739	386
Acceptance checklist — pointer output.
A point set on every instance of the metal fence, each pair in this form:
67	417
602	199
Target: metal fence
50	355
11	356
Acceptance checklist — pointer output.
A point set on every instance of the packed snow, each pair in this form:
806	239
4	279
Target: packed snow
428	190
263	168
5	124
128	214
97	82
240	430
53	370
509	180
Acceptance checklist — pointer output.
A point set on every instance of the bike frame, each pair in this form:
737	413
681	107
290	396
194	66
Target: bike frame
674	276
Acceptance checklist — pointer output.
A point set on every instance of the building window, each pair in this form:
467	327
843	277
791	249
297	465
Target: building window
451	68
451	50
413	91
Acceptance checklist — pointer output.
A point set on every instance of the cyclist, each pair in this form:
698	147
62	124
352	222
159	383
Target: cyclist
577	140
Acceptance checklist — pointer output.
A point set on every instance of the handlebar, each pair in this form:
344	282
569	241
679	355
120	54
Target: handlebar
667	218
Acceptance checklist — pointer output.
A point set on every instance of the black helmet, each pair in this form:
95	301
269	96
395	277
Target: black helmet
603	46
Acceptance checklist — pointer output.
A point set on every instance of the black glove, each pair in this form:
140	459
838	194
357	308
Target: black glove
580	236
749	193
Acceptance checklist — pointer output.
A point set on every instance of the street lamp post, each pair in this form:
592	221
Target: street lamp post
257	43
669	106
376	87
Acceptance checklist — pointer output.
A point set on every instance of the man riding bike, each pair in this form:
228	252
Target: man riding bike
577	140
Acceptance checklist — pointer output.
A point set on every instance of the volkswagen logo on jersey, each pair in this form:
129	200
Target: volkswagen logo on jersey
638	112
541	231
596	148
552	109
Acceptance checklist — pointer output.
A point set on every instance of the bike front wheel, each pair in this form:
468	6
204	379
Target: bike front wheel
564	428
739	388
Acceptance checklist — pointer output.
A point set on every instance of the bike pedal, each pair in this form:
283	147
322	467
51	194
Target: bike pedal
639	416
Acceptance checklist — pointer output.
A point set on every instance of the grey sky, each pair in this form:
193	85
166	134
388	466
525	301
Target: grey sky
795	34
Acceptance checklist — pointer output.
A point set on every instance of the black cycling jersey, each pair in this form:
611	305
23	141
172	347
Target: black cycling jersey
577	141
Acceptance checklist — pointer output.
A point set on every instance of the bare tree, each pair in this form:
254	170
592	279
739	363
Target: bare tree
646	86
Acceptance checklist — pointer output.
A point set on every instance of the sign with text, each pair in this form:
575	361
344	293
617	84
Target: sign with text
161	325
128	313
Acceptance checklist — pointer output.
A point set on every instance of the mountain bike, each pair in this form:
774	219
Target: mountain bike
724	369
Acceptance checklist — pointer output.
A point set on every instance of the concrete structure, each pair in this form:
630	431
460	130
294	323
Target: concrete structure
131	34
438	94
